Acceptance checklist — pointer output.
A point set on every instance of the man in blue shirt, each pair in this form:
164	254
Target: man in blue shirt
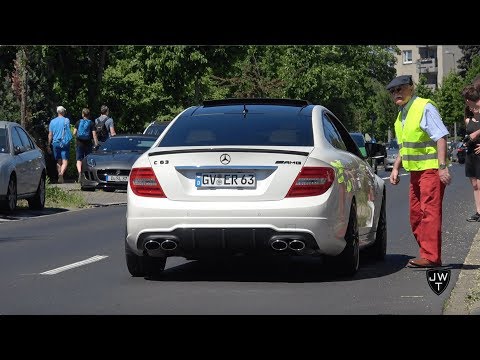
56	131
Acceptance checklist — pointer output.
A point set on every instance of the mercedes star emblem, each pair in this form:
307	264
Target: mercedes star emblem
225	159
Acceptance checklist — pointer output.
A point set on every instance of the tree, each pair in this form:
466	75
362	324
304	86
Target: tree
422	89
468	51
450	101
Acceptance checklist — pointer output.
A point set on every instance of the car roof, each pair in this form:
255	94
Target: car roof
4	123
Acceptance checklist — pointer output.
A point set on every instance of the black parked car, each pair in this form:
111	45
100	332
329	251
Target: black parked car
108	168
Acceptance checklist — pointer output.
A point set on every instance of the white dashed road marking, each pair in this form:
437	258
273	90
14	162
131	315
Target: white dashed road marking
74	265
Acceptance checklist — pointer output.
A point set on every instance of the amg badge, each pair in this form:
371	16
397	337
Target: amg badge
288	162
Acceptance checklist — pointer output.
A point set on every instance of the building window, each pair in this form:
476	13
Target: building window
407	56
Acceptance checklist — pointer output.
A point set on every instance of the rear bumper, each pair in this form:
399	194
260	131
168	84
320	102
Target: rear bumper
198	229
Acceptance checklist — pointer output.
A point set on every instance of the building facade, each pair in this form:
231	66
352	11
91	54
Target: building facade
434	61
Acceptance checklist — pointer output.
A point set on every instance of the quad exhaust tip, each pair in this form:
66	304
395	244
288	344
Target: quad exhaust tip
279	245
296	245
154	246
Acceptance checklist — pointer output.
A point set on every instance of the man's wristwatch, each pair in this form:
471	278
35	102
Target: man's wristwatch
442	166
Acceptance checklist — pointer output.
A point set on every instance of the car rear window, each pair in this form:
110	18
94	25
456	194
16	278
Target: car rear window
127	144
268	129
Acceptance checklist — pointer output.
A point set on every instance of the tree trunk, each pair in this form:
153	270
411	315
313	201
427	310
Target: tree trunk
23	84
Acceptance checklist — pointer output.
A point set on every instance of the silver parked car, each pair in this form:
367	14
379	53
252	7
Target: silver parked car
392	153
22	168
108	167
260	177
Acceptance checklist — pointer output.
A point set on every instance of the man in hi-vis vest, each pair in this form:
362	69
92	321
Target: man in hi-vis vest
422	138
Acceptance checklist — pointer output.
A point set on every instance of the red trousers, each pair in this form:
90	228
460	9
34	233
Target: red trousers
426	197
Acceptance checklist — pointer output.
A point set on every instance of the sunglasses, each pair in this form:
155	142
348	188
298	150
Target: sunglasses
396	89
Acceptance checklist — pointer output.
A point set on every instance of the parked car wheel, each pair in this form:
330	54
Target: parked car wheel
11	201
37	202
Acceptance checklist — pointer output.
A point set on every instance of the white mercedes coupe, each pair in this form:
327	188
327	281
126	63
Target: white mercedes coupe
254	177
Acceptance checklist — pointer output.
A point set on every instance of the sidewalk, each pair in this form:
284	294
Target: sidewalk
97	197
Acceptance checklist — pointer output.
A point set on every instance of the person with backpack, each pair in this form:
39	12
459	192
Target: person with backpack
104	125
59	137
84	131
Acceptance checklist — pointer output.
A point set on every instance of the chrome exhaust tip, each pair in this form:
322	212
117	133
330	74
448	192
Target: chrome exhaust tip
168	245
152	245
296	245
279	245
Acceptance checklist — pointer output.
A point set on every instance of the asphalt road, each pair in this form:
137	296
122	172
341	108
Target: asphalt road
40	271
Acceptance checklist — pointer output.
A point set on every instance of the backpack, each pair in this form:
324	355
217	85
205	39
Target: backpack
84	130
101	129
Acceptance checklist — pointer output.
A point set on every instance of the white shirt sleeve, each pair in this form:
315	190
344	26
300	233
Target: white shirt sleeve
432	123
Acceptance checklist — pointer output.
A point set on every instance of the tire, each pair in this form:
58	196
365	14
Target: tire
379	248
135	263
11	201
348	262
154	265
37	202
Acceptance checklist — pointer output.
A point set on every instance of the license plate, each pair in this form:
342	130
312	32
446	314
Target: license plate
123	178
225	180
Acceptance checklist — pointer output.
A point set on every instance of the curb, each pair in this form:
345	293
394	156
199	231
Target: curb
468	282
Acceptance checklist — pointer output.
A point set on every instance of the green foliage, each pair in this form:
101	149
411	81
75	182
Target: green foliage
465	62
145	83
450	101
422	89
474	69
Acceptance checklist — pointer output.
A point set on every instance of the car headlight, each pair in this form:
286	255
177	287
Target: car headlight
91	162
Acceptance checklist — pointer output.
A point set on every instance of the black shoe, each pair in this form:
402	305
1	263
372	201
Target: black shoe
474	217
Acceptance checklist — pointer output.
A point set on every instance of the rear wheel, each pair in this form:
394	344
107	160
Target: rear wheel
10	203
379	247
37	202
135	263
154	265
348	262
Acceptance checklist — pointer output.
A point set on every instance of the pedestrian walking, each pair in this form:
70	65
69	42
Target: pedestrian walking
104	125
84	133
422	137
59	137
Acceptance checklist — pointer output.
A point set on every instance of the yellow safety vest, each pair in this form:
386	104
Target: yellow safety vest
418	150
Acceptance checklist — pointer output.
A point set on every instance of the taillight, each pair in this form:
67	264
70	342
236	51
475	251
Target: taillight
143	182
312	181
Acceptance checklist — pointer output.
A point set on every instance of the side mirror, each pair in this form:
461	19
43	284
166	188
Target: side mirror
18	149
